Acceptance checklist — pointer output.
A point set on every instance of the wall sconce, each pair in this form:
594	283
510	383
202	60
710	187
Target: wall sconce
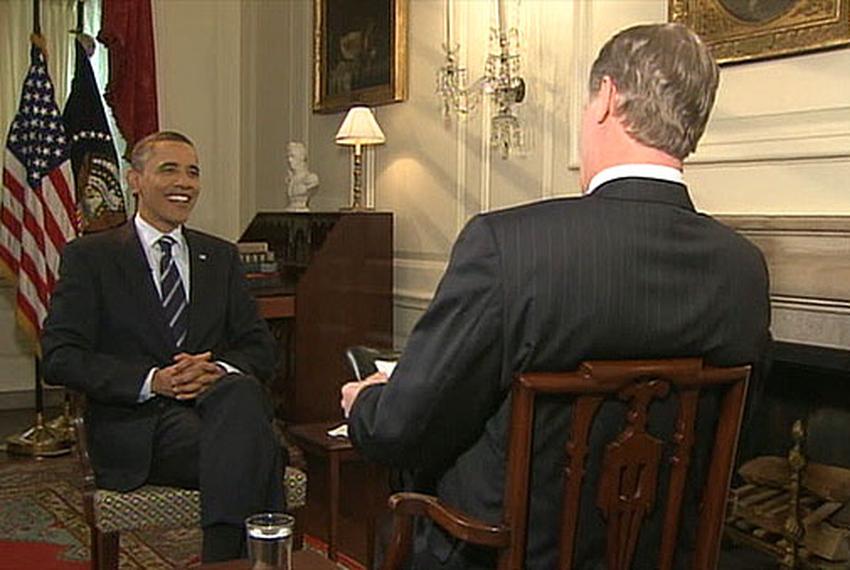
501	81
359	128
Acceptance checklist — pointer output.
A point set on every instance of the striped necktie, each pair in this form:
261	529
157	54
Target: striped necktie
173	294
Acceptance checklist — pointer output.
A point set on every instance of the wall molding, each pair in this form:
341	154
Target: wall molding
486	189
408	299
581	62
461	124
807	258
25	399
418	267
549	82
807	134
406	256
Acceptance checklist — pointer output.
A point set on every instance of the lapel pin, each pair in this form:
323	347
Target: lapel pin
202	256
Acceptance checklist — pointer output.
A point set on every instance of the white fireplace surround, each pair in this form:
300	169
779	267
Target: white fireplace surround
809	262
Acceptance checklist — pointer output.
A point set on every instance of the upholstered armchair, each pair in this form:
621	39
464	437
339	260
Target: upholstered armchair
109	513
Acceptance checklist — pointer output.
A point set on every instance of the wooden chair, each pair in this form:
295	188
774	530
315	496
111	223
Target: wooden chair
623	500
109	513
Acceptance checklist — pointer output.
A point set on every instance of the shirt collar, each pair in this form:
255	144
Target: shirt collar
656	171
150	235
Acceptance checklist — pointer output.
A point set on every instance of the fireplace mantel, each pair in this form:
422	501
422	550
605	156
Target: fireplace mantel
809	262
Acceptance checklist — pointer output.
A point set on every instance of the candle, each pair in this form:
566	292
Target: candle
449	10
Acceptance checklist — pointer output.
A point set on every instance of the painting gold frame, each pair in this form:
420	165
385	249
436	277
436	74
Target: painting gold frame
747	30
359	53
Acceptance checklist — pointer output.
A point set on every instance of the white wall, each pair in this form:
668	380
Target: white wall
237	76
201	92
779	140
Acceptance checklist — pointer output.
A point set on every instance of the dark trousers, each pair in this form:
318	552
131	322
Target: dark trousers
224	445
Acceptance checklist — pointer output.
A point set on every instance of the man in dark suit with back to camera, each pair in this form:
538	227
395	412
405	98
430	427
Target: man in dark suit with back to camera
153	322
628	270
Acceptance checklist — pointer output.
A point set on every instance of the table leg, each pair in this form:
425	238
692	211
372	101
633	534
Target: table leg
333	466
374	510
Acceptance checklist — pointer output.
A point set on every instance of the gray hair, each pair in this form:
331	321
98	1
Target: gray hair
142	149
666	82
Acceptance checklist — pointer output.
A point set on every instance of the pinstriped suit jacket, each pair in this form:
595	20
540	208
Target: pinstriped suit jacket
630	271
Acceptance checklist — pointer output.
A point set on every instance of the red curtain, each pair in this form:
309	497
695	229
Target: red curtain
127	30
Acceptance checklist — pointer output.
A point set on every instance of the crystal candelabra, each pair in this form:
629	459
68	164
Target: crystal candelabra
501	82
507	88
451	85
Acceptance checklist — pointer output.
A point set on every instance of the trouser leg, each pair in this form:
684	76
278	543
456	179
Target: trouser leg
176	446
225	446
240	462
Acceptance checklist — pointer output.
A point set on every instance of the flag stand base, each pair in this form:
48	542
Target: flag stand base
63	426
38	441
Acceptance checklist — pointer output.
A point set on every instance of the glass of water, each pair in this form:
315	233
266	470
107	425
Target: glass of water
270	541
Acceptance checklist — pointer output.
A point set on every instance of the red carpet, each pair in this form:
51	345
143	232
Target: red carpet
19	555
41	515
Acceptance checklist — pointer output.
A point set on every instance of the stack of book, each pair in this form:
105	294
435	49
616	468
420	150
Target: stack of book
261	268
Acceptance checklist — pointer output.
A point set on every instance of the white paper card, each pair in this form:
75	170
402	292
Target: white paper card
339	431
386	366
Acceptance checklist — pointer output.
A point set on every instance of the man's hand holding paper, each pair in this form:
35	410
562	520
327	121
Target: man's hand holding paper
350	390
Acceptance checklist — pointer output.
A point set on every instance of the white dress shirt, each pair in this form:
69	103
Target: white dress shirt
149	236
656	171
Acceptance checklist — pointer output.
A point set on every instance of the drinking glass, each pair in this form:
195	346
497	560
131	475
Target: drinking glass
270	541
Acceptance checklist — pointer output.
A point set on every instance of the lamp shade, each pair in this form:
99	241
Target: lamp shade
360	128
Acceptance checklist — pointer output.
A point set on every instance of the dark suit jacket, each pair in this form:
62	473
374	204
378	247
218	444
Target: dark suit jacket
630	271
106	330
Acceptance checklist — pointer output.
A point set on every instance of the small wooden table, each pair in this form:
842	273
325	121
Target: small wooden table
301	560
275	306
314	440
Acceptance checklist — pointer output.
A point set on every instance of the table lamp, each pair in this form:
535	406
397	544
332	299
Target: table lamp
359	128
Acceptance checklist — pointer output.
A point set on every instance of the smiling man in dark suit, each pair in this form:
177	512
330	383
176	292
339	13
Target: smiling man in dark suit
628	270
153	322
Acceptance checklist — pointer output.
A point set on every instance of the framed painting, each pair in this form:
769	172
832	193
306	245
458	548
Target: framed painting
359	53
746	30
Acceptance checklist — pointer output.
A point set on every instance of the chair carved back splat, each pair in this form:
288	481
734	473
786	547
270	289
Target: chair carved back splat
628	484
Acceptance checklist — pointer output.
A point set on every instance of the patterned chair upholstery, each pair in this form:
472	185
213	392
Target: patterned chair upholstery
154	506
109	513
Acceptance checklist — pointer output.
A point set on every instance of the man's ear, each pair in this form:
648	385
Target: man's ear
133	180
603	104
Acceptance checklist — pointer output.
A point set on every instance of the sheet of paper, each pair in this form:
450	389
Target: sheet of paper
386	366
339	431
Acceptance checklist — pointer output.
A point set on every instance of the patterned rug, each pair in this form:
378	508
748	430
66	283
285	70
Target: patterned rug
41	504
42	525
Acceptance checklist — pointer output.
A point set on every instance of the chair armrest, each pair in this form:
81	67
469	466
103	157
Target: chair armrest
82	449
407	505
453	521
82	444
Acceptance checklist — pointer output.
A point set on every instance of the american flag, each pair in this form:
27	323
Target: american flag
38	215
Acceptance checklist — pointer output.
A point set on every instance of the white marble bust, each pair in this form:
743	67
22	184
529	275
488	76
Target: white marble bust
301	184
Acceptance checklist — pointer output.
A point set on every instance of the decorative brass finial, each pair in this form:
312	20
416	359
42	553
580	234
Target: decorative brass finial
793	529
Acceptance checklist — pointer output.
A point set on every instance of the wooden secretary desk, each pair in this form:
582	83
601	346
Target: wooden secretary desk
336	291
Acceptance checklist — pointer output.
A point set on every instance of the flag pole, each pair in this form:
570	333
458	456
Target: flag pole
38	440
63	426
81	10
36	17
